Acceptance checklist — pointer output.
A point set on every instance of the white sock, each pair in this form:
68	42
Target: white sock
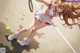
28	40
17	33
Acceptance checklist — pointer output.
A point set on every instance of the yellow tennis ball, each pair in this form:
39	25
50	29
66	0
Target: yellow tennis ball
7	28
24	14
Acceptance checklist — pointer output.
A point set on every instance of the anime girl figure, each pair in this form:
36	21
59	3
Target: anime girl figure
41	20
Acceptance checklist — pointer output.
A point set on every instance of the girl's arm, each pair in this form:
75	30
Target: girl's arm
44	2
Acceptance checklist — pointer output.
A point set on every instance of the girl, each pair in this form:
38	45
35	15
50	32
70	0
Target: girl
41	20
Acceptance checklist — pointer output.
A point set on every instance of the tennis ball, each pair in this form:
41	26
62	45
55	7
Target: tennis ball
24	14
7	28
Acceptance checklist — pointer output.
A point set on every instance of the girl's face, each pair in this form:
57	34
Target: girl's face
59	10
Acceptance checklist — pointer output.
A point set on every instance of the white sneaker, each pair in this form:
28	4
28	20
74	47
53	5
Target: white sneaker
24	42
11	37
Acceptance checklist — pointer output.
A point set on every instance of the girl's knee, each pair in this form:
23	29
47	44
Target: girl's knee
33	29
24	29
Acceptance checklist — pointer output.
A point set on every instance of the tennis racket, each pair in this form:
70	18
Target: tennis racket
30	5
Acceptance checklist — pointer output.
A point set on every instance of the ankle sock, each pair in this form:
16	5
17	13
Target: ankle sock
17	33
28	40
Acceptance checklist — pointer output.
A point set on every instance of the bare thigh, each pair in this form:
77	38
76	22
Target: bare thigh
39	25
32	24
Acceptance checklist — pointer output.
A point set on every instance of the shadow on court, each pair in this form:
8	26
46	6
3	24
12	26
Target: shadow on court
16	47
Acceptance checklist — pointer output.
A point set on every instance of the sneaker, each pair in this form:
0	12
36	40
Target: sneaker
11	37
24	42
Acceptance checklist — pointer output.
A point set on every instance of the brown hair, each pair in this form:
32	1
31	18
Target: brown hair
69	12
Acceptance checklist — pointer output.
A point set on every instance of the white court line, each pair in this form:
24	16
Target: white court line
65	40
59	31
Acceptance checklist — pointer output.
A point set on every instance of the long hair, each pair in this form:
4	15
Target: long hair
70	12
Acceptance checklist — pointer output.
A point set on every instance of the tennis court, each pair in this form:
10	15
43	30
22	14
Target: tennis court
16	14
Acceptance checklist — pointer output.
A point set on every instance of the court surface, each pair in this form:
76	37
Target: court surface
16	14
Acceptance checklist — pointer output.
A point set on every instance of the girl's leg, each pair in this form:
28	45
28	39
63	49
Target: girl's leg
35	28
29	26
15	35
33	32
